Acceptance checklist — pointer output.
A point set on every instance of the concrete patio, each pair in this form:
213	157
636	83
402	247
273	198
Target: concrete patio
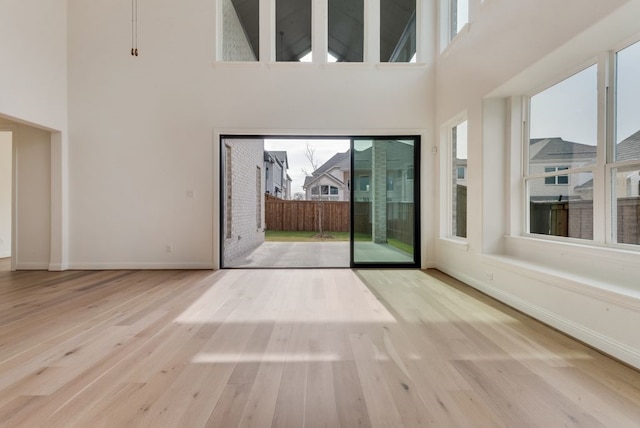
316	254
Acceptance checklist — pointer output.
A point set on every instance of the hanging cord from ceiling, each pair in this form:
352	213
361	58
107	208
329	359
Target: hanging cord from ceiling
134	27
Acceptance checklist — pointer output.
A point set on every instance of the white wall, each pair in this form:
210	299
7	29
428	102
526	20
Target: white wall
6	168
144	130
509	51
33	63
33	91
33	198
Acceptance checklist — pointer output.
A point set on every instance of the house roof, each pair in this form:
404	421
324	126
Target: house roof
558	149
339	160
310	179
629	148
280	156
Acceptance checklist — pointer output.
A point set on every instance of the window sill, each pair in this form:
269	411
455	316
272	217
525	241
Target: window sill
459	244
310	65
575	265
601	290
450	47
583	247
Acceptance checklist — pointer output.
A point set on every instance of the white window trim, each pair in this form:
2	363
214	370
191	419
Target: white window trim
319	36
605	196
446	173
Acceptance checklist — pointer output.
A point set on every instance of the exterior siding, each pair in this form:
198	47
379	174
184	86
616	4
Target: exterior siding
246	156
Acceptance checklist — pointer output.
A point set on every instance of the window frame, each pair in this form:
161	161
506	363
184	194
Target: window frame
556	178
527	176
606	165
613	165
448	174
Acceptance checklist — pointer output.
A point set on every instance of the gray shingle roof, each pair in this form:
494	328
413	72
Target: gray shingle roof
340	160
629	148
281	156
558	149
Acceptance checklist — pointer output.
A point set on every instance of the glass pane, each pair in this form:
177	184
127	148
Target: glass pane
293	29
459	15
563	121
346	30
562	208
459	181
397	30
627	96
383	215
240	30
627	206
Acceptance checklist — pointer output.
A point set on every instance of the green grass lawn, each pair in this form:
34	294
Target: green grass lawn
400	245
290	236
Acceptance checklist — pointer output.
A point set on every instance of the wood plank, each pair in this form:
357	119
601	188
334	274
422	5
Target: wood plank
290	348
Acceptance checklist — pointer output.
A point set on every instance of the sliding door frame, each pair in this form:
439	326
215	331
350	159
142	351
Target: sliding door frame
218	199
416	263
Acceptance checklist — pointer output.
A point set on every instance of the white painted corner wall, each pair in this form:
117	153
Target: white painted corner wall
590	293
6	180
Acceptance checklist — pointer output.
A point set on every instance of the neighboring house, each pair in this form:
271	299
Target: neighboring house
556	154
399	173
460	173
277	181
627	182
243	197
331	181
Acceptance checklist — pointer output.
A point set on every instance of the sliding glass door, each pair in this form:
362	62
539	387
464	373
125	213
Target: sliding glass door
385	202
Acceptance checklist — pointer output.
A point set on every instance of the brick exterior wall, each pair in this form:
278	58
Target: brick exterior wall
246	156
379	181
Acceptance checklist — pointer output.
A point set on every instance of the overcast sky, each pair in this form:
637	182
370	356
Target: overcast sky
569	109
324	150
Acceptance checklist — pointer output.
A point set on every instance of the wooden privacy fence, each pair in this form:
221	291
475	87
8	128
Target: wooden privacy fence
575	219
303	215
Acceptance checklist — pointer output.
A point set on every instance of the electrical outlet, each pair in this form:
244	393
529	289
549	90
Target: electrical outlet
169	248
489	276
191	194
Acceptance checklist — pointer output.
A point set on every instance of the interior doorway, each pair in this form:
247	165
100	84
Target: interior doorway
331	202
6	197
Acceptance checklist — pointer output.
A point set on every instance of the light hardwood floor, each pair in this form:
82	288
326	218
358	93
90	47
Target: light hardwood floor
290	348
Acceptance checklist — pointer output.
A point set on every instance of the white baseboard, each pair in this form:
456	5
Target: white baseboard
32	266
140	266
593	338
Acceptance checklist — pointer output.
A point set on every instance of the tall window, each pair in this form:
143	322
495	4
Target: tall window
293	29
397	30
562	150
346	30
459	16
240	30
625	165
458	191
568	164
